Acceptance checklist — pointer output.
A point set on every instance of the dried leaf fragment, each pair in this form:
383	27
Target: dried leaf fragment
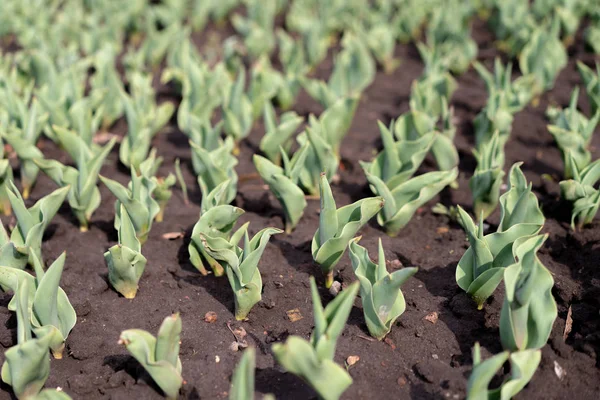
210	317
172	235
294	315
432	317
442	229
351	360
568	324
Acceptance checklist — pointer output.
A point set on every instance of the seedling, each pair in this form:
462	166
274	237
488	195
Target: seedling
162	191
529	309
313	361
436	83
591	82
544	55
258	27
124	260
283	183
26	366
580	191
33	221
320	157
50	313
137	199
448	32
241	266
382	299
237	109
523	365
573	134
337	227
216	221
487	179
23	138
216	167
84	196
144	119
518	93
6	176
242	382
158	355
481	268
278	134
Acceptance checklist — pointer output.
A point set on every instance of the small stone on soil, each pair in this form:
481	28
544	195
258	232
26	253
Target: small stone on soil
335	288
559	371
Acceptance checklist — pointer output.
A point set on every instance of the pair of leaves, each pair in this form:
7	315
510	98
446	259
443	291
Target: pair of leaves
241	265
33	221
84	196
523	365
313	361
529	309
382	299
481	269
49	312
283	183
158	355
124	260
337	227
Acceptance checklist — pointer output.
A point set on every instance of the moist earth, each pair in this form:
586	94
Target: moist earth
422	358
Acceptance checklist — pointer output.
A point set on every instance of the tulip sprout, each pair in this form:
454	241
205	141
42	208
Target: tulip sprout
51	314
125	261
337	227
573	134
529	309
581	193
237	109
283	182
278	134
523	365
216	167
241	266
544	55
33	221
158	355
481	268
313	361
12	255
6	176
265	82
242	382
382	299
84	196
436	83
487	179
23	140
217	220
26	366
258	27
591	82
137	199
448	32
518	92
144	119
162	190
390	177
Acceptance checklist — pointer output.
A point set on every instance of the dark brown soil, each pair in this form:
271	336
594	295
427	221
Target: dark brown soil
419	360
